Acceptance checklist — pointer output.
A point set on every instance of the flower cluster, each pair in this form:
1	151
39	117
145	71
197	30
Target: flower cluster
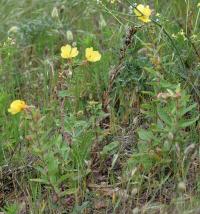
69	52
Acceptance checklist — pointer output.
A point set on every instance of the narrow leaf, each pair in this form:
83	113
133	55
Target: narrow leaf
184	111
164	117
39	180
186	123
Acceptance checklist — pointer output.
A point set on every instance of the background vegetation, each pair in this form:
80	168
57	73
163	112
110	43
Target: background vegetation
117	136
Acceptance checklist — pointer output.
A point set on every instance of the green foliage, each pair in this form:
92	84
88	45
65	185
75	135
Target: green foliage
11	209
169	115
110	149
79	149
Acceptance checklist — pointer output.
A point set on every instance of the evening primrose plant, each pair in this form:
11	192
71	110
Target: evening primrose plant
60	166
61	161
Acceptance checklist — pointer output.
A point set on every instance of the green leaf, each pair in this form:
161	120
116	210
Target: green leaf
110	149
164	117
39	180
145	159
184	111
80	209
186	123
145	135
68	192
63	178
63	93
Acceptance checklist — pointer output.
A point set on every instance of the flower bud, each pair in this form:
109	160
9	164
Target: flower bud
181	186
69	36
54	13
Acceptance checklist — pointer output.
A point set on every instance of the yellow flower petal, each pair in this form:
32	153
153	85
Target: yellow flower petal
137	10
96	56
74	52
88	52
65	51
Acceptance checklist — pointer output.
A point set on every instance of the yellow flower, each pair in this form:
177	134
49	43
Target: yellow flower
92	56
68	52
16	106
198	5
143	13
